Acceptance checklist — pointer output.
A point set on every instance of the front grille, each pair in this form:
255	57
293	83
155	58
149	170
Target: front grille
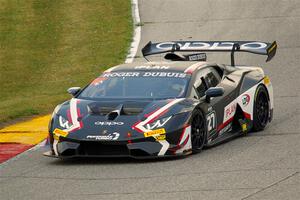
100	149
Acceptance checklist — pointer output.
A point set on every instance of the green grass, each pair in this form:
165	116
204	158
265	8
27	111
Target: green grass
47	46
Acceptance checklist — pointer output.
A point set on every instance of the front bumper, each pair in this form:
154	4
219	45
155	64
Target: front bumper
141	149
137	149
158	145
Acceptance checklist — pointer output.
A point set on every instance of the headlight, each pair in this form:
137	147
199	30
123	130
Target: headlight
158	123
64	123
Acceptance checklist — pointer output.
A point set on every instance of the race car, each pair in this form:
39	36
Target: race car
170	108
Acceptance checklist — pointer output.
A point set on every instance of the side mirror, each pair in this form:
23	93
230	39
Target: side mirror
74	90
213	92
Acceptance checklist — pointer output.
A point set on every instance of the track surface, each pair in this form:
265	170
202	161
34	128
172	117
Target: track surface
262	165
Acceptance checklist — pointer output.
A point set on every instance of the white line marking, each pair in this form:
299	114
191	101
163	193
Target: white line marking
188	145
156	113
137	32
165	145
74	115
55	142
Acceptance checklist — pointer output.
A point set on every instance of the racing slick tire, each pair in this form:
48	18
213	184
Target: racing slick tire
198	131
261	108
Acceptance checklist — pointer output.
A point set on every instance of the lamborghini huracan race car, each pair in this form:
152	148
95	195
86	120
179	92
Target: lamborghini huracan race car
156	109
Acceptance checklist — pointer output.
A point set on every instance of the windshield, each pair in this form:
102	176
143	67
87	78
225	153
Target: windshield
156	85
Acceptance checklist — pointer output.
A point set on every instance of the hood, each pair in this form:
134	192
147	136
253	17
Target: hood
115	119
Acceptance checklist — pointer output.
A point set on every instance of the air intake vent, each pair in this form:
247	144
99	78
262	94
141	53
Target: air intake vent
113	115
97	110
132	111
107	108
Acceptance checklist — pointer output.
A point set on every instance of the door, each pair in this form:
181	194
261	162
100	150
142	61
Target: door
219	108
225	106
206	78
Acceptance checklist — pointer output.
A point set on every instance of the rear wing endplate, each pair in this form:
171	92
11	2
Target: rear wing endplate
262	48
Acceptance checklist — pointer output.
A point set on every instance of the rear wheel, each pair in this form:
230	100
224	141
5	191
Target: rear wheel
260	109
198	131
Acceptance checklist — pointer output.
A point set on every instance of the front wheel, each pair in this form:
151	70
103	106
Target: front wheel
198	131
260	109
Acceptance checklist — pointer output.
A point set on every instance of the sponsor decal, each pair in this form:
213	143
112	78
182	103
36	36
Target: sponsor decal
165	74
211	121
160	137
99	123
121	74
194	57
144	74
245	99
112	136
158	123
64	123
229	110
59	133
155	132
210	45
151	67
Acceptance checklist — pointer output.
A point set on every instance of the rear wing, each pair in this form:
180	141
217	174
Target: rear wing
262	48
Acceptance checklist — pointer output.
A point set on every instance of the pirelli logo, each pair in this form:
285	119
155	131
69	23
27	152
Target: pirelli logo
155	132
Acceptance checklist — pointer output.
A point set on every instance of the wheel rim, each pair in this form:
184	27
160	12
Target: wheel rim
198	132
262	109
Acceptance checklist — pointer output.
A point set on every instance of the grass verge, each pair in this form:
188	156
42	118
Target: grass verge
47	46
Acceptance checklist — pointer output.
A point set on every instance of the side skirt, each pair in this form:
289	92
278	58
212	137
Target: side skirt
225	137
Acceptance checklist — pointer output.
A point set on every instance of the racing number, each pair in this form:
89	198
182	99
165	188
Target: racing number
211	121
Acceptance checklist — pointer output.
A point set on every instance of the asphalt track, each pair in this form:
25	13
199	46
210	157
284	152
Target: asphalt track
263	165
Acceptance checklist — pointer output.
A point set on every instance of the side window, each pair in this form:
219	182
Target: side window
212	78
201	88
200	83
194	93
206	78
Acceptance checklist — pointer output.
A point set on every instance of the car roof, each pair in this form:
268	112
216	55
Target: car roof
180	66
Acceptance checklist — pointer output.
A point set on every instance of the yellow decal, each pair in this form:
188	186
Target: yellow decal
155	132
266	80
275	45
244	127
58	132
160	137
